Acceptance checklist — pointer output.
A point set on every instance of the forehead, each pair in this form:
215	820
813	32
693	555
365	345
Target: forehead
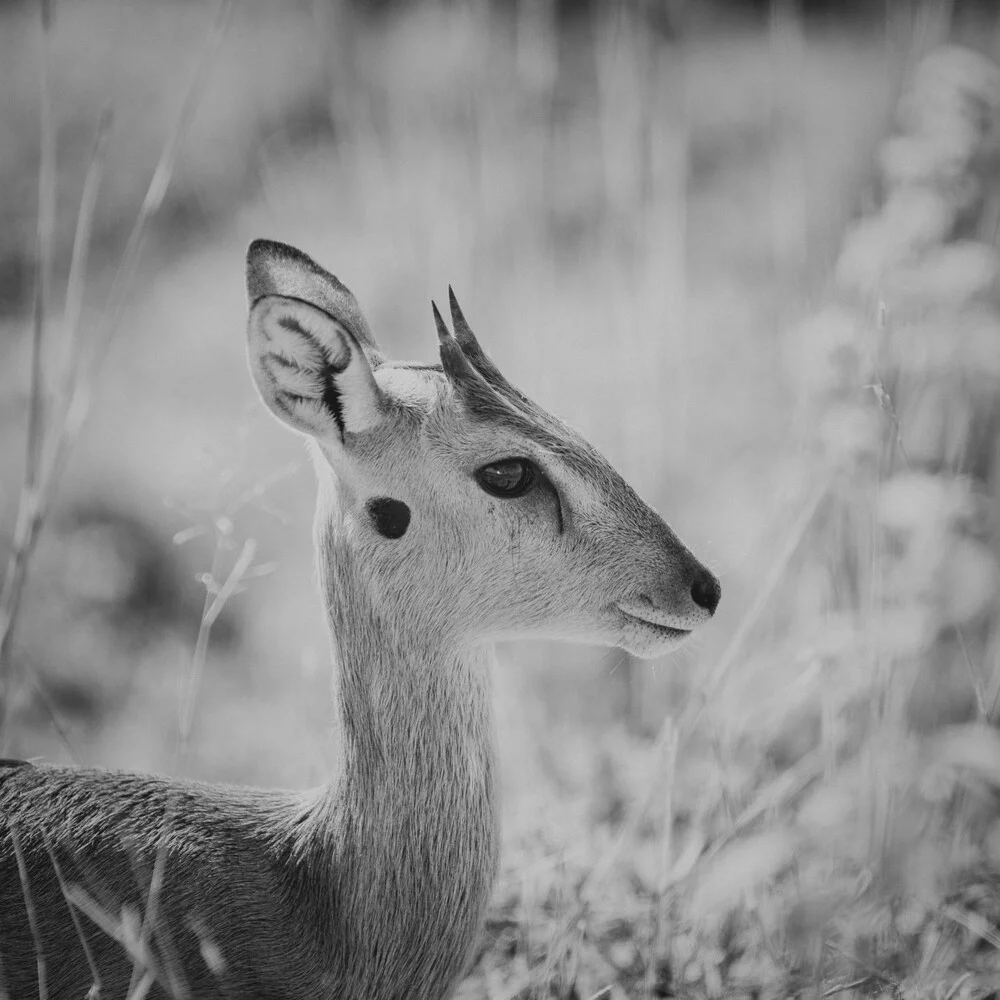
413	385
515	414
510	422
500	426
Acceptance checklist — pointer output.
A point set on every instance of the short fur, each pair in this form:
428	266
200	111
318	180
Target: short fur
373	886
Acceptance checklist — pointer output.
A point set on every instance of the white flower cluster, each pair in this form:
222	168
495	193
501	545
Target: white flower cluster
936	281
918	253
913	328
880	706
870	714
934	560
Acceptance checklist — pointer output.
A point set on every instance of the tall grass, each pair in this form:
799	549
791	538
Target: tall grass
838	838
55	421
632	227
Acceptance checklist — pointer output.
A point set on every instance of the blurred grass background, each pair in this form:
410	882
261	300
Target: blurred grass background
635	202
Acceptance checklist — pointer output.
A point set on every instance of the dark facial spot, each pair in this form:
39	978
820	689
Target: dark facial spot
390	517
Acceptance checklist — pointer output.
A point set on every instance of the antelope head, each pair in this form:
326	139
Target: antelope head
470	508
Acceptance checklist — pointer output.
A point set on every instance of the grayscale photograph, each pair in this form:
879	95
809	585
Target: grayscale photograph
500	499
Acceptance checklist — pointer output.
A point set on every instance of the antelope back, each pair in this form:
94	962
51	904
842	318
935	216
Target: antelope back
203	880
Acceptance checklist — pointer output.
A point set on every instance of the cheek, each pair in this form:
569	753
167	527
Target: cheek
539	568
545	509
498	563
610	558
453	554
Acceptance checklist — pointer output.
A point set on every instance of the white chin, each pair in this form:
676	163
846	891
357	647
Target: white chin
650	643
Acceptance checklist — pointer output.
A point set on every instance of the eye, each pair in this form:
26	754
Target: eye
512	477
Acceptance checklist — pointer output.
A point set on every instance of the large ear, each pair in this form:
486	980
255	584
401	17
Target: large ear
278	269
307	359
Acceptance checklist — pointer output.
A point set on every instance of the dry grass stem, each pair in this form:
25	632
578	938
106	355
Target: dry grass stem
29	907
216	597
95	973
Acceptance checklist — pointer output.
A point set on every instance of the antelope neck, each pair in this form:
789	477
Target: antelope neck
416	799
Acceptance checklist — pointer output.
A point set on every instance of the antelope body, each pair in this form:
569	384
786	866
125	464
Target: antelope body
452	511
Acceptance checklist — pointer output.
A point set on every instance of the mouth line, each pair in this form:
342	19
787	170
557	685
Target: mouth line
664	630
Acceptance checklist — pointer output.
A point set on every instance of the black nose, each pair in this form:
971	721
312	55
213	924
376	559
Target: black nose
705	591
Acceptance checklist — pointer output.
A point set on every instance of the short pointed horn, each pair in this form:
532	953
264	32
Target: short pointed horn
473	388
480	360
463	332
444	334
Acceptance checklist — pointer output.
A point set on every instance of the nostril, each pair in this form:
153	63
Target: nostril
706	591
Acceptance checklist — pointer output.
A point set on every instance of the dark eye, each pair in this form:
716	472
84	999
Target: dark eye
512	477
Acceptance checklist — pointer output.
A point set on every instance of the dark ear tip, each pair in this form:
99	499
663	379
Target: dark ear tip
257	248
259	255
273	248
262	255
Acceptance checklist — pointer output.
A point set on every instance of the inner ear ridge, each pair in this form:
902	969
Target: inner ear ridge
332	368
318	357
297	350
274	268
322	342
305	409
312	370
331	399
293	379
338	365
345	328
